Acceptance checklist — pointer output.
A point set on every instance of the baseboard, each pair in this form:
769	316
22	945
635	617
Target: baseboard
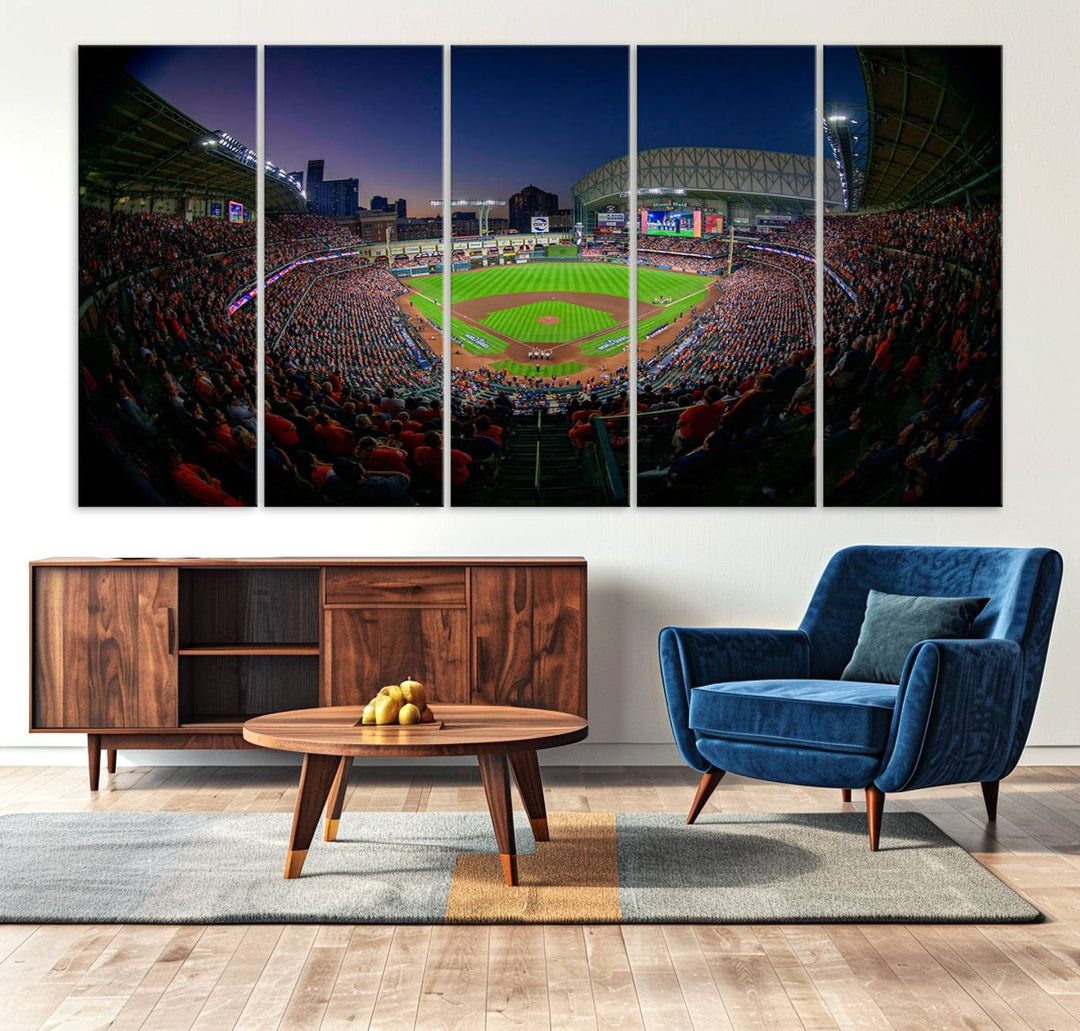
587	753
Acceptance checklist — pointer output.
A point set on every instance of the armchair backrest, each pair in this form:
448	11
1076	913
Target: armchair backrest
1021	583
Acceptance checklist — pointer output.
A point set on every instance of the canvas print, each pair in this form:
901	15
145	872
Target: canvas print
539	317
725	218
912	348
354	366
166	250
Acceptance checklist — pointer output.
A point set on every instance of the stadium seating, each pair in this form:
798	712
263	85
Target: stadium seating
913	360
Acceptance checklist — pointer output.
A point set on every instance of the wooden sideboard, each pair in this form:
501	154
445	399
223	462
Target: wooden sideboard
144	653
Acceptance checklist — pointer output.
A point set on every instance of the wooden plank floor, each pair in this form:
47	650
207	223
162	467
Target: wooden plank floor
665	977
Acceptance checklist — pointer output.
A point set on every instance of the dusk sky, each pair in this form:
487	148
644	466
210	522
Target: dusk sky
213	85
371	113
542	115
843	77
742	97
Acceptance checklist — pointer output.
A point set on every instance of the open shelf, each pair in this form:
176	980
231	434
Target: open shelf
249	649
248	607
229	687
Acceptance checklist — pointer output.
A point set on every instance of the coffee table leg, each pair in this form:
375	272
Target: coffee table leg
315	779
337	798
527	774
496	777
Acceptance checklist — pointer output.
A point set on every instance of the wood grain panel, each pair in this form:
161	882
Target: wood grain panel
501	633
61	599
249	606
395	585
558	639
246	685
194	740
103	653
367	648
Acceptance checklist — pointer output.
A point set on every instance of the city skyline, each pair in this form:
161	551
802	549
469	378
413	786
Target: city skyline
371	113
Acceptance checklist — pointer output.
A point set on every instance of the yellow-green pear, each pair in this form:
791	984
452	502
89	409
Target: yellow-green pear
394	691
386	710
413	691
409	714
369	714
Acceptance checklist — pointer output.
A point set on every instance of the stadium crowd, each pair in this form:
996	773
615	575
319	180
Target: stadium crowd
913	370
353	398
733	399
167	380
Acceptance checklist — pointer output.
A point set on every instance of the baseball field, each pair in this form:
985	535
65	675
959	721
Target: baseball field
578	311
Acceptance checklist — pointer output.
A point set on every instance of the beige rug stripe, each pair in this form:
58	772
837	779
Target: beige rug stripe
574	878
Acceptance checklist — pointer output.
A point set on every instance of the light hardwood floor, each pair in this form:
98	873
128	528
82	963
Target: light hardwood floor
664	977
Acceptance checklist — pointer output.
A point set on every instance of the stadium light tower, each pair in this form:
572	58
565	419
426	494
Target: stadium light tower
850	150
483	209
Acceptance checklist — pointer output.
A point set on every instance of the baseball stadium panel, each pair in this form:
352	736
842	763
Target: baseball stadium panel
167	218
540	316
912	347
353	278
725	222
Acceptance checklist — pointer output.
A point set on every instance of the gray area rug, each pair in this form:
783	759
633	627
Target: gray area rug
206	868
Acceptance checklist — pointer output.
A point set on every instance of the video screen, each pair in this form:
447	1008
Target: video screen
714	223
236	211
671	223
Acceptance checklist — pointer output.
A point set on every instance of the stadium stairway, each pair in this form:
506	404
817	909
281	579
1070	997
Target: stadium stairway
562	480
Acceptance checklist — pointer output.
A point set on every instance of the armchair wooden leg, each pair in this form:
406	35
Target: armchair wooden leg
110	759
990	797
875	804
845	794
706	786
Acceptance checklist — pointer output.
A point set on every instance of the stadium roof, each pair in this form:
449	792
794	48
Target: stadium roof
935	122
784	181
135	144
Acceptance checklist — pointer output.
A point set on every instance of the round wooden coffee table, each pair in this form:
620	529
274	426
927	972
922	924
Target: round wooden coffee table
500	736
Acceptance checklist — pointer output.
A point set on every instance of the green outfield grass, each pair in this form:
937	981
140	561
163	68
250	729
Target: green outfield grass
521	369
561	250
523	322
685	290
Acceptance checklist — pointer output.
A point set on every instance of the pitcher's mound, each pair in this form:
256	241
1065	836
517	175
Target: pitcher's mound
548	320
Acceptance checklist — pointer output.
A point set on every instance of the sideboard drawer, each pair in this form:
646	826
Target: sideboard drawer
395	585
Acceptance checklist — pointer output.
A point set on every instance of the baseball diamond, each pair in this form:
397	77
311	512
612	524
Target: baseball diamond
579	311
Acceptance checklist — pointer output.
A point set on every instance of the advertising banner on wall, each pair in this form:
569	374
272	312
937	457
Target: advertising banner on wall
539	223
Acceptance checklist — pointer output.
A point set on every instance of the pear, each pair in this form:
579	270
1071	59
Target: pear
409	714
386	710
394	691
413	691
427	716
369	714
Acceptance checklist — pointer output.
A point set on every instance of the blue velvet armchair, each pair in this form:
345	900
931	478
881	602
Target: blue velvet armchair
770	704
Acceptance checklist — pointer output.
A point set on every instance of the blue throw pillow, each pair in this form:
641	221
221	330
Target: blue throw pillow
895	623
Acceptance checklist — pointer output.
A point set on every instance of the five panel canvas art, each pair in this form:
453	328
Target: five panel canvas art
583	313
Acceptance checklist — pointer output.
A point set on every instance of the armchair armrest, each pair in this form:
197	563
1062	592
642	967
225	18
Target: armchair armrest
693	656
955	716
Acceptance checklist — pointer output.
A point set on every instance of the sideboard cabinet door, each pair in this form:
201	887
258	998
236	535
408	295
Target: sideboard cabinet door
528	636
365	649
105	647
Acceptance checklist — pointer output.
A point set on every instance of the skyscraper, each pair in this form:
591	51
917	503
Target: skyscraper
401	207
333	198
378	203
528	202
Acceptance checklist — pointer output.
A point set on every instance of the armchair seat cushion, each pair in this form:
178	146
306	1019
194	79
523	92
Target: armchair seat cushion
847	716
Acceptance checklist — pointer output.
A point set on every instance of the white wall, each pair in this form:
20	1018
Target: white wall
647	568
